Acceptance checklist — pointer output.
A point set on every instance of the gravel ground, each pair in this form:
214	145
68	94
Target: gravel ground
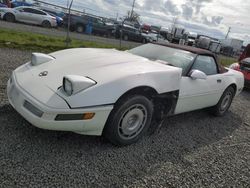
190	150
61	32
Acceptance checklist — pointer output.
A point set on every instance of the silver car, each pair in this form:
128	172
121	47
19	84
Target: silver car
28	15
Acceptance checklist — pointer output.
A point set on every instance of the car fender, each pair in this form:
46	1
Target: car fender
109	92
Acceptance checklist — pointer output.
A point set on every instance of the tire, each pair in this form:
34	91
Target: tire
46	24
129	120
126	38
224	103
10	17
80	28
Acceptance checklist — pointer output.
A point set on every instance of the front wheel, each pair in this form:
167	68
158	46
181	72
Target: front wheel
129	120
224	103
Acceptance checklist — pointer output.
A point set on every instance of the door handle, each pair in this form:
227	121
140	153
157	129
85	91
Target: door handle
219	81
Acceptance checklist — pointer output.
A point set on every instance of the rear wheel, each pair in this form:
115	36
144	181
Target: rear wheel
80	28
224	103
126	37
10	17
46	24
129	120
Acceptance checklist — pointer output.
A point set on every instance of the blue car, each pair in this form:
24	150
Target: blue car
3	5
16	3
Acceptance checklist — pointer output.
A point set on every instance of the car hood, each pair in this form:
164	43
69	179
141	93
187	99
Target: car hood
102	65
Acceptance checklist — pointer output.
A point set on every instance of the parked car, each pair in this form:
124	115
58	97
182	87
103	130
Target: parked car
18	3
244	67
131	33
155	37
80	23
119	94
3	5
28	15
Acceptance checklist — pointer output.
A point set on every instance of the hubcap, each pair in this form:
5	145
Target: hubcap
132	121
79	29
226	102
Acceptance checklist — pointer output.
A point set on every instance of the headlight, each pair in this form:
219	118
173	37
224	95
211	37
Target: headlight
67	86
73	84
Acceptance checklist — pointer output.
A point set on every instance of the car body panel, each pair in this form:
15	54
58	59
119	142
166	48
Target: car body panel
115	73
17	97
198	94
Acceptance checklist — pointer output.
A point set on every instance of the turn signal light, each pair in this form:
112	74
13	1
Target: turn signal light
87	116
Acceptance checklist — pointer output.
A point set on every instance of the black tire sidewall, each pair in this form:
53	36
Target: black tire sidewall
46	24
217	108
126	38
111	127
10	17
80	26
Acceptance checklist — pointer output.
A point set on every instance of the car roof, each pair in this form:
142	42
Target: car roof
194	50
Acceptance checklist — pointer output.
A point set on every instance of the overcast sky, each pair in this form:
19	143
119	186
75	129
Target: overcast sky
211	17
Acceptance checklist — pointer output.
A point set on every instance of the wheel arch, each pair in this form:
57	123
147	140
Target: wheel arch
234	86
164	103
8	13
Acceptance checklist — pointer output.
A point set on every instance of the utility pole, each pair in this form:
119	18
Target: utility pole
67	4
132	11
229	30
68	40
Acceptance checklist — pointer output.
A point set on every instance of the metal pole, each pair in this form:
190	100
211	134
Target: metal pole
229	30
68	40
132	11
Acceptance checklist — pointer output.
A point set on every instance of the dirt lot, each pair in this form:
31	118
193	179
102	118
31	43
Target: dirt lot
190	150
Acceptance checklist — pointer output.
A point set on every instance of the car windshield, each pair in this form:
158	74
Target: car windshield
166	55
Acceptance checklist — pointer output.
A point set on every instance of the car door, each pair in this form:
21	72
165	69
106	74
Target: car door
23	15
200	93
37	16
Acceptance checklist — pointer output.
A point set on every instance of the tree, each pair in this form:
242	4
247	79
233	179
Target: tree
132	17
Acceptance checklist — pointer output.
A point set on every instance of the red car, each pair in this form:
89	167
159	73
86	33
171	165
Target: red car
244	65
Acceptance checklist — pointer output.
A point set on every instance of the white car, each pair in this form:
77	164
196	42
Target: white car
28	15
119	94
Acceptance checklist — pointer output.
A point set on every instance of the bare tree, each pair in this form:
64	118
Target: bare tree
132	16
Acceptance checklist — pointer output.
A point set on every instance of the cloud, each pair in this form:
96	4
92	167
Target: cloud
171	7
212	21
187	11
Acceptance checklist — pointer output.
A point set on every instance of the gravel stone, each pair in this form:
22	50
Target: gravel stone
190	150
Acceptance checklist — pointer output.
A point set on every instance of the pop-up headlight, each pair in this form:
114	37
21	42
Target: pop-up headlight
73	84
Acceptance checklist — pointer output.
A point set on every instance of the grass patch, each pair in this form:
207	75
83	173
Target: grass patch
227	61
43	43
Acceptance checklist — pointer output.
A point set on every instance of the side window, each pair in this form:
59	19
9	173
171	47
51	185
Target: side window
34	11
206	64
28	10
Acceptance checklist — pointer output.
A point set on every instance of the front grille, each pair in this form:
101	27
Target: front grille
34	110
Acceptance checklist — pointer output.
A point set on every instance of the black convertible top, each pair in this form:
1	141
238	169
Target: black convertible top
195	50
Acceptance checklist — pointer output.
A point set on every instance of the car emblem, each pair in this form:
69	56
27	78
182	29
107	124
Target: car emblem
44	73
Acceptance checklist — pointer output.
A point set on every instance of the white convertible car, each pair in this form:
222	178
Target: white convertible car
119	94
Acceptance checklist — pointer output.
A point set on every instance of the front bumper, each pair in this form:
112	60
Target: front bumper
44	117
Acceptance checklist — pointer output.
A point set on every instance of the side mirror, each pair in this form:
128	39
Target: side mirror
196	74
